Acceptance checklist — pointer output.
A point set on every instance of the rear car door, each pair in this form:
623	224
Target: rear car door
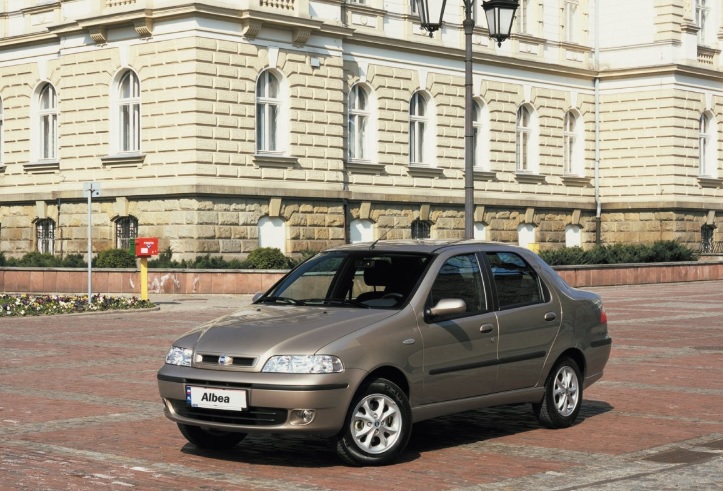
460	350
529	318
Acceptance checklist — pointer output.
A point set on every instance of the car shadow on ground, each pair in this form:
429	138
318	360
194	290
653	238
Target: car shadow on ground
427	436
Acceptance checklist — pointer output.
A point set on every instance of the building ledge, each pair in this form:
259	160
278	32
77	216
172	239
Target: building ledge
364	167
275	161
579	181
484	175
529	178
424	171
710	182
123	160
42	166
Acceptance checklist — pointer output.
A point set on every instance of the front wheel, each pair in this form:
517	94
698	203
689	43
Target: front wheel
210	439
563	396
378	425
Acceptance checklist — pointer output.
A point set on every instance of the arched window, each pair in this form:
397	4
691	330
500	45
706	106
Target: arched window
272	233
47	123
269	113
707	146
127	129
362	128
421	229
572	137
481	132
526	140
361	231
45	235
126	228
420	132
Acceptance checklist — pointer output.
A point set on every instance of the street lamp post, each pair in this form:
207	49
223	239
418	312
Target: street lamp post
500	14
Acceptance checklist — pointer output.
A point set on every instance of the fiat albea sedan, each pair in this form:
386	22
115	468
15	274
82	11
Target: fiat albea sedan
361	341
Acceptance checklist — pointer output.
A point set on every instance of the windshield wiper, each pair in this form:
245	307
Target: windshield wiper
282	300
333	301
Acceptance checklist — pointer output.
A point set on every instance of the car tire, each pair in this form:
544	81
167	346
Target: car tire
563	396
210	439
377	426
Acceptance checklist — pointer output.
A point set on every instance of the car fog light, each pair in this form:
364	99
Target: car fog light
301	417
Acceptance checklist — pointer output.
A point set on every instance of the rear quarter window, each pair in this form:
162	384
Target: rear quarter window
516	282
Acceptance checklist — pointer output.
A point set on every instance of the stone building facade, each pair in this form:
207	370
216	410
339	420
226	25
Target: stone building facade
220	126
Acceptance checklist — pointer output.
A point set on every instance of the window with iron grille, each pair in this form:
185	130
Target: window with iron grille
45	233
421	229
126	228
706	238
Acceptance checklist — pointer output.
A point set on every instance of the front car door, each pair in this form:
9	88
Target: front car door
529	317
460	350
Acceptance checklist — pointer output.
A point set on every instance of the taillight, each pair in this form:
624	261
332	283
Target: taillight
603	317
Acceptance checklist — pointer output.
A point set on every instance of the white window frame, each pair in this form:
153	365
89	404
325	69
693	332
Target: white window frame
272	233
45	236
702	20
362	124
361	231
2	132
421	130
708	145
271	113
481	136
46	123
126	121
573	144
526	140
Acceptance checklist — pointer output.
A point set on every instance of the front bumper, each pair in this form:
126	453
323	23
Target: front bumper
272	399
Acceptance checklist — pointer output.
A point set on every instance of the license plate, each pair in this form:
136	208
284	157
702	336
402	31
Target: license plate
227	399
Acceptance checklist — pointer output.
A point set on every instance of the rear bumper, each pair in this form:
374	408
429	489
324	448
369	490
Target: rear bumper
596	358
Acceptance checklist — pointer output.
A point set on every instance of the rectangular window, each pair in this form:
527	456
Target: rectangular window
517	284
570	18
702	14
45	230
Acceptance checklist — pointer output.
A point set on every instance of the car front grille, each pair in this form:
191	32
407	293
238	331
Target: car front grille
253	416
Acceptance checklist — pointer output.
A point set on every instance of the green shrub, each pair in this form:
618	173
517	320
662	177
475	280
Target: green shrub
37	259
268	258
115	258
658	252
74	261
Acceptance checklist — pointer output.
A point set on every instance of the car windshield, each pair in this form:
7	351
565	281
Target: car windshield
368	279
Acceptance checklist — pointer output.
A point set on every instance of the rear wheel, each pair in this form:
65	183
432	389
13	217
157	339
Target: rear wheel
210	439
378	425
563	396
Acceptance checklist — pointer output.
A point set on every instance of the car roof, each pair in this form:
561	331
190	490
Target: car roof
426	246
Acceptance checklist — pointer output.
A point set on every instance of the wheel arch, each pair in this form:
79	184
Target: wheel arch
577	356
390	373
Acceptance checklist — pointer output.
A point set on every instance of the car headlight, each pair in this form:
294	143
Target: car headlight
303	364
179	356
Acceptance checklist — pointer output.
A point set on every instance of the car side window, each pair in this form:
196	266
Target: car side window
516	282
460	278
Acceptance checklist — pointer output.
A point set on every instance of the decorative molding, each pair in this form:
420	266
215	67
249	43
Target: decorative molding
484	175
275	207
424	171
144	27
278	161
299	36
365	210
250	28
98	34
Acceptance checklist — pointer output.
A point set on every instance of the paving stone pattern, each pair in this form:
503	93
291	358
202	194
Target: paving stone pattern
79	410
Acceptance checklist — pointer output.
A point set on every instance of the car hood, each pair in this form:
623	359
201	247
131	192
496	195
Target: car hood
259	330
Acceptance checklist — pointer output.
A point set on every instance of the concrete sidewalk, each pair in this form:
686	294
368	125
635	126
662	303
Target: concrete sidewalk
79	410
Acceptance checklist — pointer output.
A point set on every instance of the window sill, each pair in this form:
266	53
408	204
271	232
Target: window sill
573	180
42	166
529	178
710	182
275	160
364	167
123	160
484	175
424	171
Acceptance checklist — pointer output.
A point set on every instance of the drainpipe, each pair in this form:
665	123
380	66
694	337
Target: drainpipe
598	204
60	232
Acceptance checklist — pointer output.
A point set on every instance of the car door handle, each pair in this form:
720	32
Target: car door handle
550	316
486	328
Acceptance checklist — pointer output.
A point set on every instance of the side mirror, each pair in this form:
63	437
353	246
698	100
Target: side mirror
447	306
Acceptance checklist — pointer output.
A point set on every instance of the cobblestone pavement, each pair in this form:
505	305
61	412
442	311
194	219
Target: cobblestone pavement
79	410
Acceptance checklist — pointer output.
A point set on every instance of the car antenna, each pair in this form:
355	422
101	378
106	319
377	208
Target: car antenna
371	247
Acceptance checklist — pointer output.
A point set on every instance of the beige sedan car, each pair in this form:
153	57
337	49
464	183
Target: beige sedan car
362	341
